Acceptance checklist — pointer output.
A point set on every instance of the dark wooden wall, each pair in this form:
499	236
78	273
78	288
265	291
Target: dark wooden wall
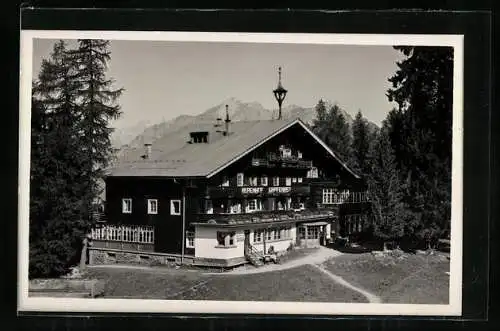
168	228
331	173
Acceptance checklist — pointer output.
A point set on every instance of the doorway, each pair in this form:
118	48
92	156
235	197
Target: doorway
247	242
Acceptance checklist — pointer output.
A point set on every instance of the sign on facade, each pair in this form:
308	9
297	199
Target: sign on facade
270	190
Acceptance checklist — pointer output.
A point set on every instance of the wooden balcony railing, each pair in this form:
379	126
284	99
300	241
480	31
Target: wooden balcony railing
267	216
339	198
140	234
273	160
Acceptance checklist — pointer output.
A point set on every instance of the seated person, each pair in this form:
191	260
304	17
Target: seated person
272	254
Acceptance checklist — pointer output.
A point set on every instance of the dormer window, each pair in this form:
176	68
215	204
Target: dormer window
199	137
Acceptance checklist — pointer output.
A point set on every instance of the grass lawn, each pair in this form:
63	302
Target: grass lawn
410	278
298	284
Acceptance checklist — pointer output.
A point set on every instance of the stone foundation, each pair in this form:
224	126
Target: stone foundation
112	256
99	256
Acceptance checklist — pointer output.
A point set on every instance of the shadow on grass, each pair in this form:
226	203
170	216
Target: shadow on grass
355	247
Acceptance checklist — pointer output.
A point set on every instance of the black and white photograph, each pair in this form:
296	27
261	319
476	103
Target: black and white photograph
241	173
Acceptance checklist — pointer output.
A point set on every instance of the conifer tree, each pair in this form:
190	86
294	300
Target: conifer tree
331	127
420	131
387	207
71	107
56	186
97	105
320	122
360	144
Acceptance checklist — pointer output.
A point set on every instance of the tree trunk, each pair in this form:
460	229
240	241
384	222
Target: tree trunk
83	256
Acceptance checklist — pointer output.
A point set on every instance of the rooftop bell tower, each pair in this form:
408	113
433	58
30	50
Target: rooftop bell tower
279	93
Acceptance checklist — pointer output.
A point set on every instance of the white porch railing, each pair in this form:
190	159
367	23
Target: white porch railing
349	197
141	234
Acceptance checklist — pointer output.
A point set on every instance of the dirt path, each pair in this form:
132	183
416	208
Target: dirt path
318	257
372	298
316	260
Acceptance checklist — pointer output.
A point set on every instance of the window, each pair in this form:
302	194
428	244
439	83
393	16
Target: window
277	234
252	181
189	239
299	154
257	236
239	179
235	207
175	207
269	234
288	181
313	232
127	206
209	208
286	152
312	173
225	181
328	196
252	205
225	239
299	180
276	181
294	180
263	181
152	206
281	204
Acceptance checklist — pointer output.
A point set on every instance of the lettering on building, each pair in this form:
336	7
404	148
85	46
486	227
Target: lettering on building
270	190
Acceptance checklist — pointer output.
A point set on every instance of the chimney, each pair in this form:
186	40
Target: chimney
147	151
226	122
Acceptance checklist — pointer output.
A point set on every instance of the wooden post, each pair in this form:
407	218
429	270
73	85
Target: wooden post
264	235
183	223
305	235
83	256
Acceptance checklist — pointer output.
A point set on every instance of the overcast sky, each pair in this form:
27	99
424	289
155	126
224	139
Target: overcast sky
165	79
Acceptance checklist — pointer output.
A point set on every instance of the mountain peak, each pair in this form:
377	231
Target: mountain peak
238	111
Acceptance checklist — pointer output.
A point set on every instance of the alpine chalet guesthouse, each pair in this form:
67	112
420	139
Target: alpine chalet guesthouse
222	194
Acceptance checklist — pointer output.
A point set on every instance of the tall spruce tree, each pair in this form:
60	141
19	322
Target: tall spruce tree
56	185
389	214
97	104
320	121
71	106
420	131
360	144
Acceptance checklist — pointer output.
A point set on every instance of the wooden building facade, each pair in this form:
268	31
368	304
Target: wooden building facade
226	193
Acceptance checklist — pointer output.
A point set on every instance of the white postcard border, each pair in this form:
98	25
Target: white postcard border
25	303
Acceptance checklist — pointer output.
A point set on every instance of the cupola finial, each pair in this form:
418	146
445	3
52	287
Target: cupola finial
279	92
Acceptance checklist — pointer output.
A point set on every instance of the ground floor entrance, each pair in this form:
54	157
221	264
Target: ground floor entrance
313	234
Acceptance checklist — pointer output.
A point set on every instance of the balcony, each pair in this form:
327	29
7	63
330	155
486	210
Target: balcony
345	197
268	216
124	237
258	191
275	160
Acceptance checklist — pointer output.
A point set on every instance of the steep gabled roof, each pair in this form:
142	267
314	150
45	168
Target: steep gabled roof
173	156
